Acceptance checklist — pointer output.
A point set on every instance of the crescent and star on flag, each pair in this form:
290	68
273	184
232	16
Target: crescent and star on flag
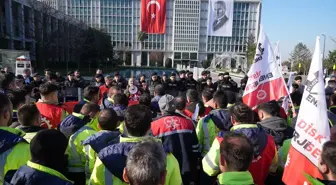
153	2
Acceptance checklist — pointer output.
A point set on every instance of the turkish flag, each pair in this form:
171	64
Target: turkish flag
153	16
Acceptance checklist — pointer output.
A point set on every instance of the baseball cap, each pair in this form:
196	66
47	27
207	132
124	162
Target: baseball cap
182	72
204	73
173	74
166	103
70	73
154	74
226	74
35	75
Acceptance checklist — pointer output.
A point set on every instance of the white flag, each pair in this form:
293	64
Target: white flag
312	126
287	99
265	82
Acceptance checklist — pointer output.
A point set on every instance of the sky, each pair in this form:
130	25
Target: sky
293	21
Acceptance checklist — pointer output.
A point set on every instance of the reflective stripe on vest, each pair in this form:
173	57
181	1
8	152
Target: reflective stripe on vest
206	138
213	166
75	157
87	163
108	177
3	160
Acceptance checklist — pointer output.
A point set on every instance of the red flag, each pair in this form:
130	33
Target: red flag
311	128
265	82
153	16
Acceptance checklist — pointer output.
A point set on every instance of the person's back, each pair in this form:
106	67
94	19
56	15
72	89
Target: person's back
108	102
76	155
91	94
73	122
236	154
217	120
48	164
265	158
30	121
193	103
52	114
159	91
146	164
112	160
178	136
14	150
108	121
272	124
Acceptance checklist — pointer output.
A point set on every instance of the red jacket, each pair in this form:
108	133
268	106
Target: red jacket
261	164
102	91
51	115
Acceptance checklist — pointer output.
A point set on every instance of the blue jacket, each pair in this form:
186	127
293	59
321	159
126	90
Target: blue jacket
79	105
155	104
28	175
221	118
72	123
101	139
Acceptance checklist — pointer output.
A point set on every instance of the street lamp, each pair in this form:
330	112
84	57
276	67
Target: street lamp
108	59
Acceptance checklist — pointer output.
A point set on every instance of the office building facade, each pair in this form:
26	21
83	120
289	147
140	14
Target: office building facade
186	37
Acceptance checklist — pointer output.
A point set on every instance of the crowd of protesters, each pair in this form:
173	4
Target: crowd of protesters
169	129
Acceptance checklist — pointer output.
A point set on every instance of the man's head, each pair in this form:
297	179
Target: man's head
91	93
327	162
180	103
333	100
209	80
70	75
145	99
159	90
236	153
6	70
90	109
77	73
48	92
192	95
295	87
48	148
131	81
332	83
58	74
220	76
166	104
190	75
182	74
29	115
268	109
18	98
108	120
36	77
108	80
146	164
117	76
52	78
142	77
220	9
154	76
241	114
206	95
173	77
120	99
298	80
26	73
113	91
47	71
8	82
6	109
99	77
204	74
220	100
99	71
138	120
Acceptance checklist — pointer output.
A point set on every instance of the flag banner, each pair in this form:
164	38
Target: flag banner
286	100
153	16
265	82
311	129
278	56
220	17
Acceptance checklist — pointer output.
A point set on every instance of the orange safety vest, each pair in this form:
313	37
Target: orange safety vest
51	115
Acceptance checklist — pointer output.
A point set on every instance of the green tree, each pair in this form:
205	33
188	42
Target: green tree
301	54
251	49
330	61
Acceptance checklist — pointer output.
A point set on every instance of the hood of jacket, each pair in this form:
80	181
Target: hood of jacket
72	123
107	103
101	139
274	123
9	137
256	135
221	119
114	156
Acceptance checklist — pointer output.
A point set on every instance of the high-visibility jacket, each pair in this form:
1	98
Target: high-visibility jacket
111	161
76	156
37	174
235	178
264	162
14	152
51	115
30	131
72	123
94	144
209	126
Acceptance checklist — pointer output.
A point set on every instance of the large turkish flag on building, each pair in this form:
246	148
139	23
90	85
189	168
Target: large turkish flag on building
153	16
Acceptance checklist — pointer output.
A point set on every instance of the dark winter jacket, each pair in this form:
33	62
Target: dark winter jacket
72	123
102	139
277	127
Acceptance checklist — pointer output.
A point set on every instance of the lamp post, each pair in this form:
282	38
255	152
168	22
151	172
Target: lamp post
324	43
